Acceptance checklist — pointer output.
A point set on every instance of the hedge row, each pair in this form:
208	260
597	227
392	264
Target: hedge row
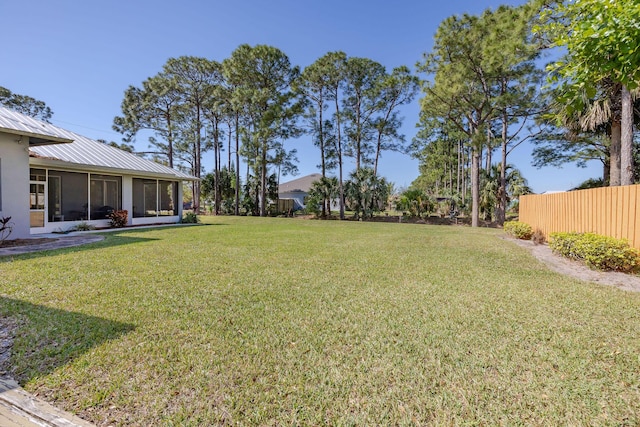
600	252
519	230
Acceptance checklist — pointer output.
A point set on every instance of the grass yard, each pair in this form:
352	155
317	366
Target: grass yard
251	321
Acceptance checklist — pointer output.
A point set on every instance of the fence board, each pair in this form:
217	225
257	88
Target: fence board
611	211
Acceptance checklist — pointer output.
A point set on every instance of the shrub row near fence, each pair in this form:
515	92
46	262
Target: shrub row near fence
597	251
519	230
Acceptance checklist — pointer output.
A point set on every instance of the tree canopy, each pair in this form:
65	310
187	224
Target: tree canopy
25	104
601	42
481	77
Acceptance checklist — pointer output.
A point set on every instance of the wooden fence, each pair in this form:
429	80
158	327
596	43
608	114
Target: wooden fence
610	211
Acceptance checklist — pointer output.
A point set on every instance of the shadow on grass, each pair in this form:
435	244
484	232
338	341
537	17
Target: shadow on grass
125	233
55	248
48	338
123	236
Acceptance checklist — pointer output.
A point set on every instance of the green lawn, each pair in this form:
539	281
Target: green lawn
255	321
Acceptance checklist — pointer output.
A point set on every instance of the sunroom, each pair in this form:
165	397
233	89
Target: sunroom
72	179
60	199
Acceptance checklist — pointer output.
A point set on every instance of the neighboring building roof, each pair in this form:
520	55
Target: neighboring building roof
79	150
302	184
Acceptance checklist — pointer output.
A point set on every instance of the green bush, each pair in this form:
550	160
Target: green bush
82	226
519	230
599	252
190	218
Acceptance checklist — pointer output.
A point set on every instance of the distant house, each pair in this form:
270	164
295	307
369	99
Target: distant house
52	179
298	189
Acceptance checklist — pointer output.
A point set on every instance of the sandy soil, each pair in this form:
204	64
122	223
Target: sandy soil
557	263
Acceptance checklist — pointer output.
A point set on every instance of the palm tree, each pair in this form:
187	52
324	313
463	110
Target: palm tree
366	193
516	186
415	201
323	191
585	116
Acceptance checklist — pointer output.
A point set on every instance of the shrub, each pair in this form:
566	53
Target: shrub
190	218
596	251
313	204
83	226
538	237
519	230
119	218
6	227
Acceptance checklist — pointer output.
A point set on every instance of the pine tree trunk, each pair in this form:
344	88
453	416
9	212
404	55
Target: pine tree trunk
229	149
489	153
458	168
197	162
502	188
237	204
216	167
169	141
340	183
378	149
263	183
358	137
475	187
322	155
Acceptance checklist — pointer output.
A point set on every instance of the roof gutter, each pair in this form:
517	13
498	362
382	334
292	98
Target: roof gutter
43	139
54	163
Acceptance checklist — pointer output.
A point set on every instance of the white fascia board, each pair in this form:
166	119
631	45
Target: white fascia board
61	165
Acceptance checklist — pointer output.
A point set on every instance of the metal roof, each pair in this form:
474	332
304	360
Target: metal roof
82	151
302	184
38	131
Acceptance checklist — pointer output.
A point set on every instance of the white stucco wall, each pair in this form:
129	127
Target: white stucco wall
298	196
127	197
14	183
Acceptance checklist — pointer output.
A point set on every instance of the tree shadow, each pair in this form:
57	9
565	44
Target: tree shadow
47	338
57	247
117	237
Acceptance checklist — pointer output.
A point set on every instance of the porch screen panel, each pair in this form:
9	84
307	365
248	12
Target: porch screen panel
106	193
68	196
167	198
145	197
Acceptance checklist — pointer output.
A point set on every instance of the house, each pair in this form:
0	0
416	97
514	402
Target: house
297	189
52	179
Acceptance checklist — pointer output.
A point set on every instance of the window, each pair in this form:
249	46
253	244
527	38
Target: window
154	198
68	195
145	197
105	195
55	199
37	201
167	198
37	174
74	196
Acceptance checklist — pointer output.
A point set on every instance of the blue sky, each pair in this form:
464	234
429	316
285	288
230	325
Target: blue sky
80	56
